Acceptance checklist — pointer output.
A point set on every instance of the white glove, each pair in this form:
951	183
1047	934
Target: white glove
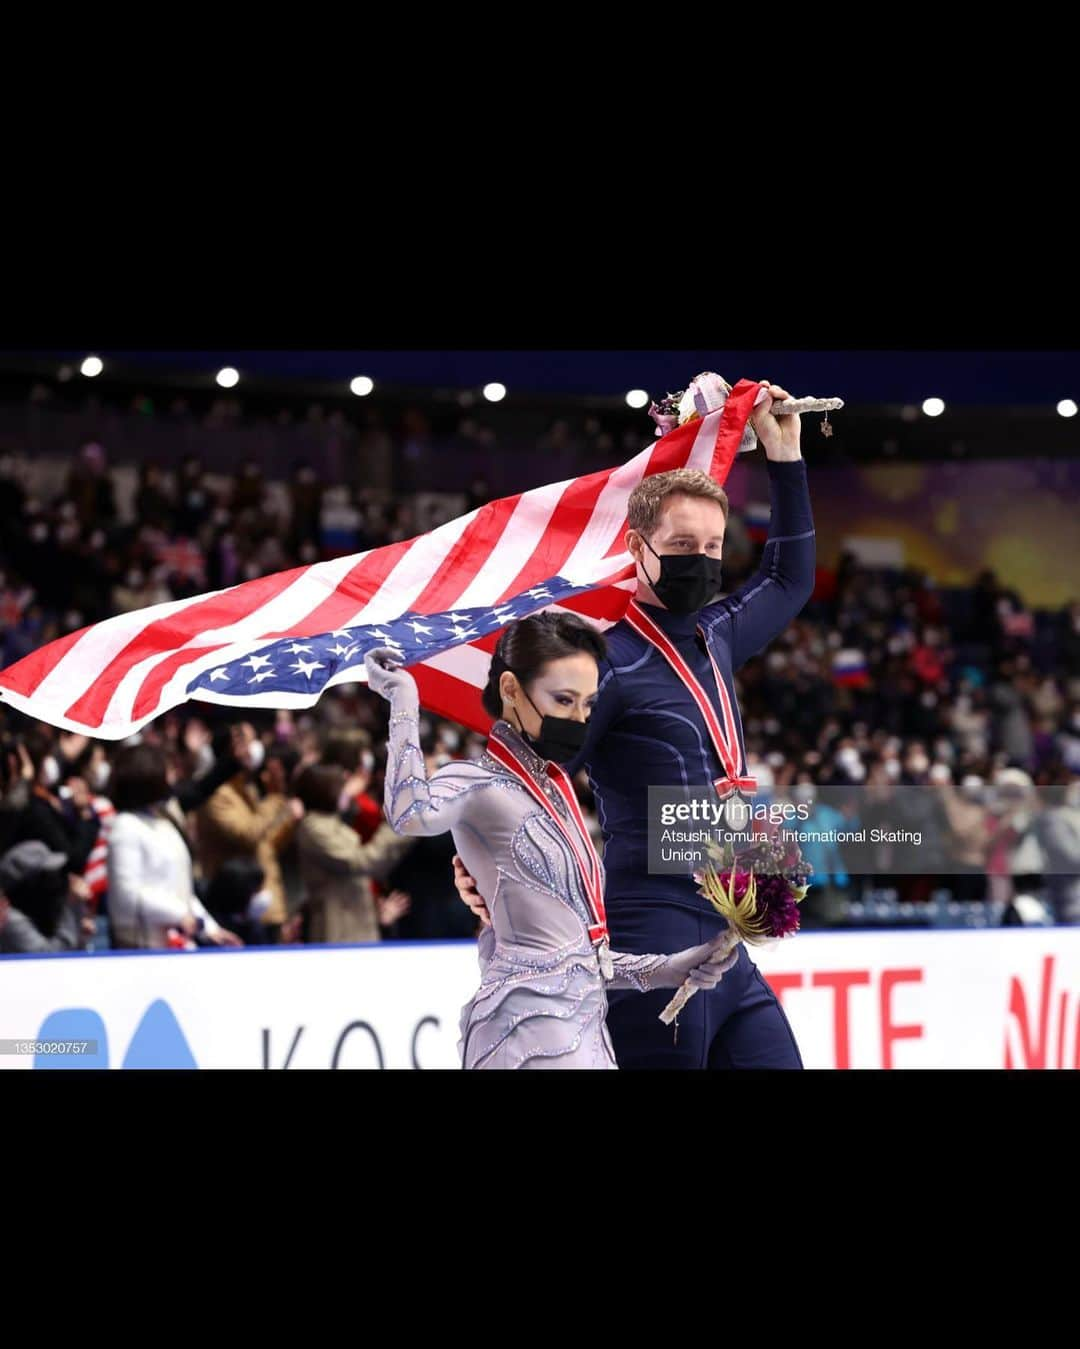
704	966
387	677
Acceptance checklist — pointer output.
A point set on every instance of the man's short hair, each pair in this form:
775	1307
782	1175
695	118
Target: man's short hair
648	497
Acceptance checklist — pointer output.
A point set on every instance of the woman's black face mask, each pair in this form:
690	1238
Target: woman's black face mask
560	738
686	583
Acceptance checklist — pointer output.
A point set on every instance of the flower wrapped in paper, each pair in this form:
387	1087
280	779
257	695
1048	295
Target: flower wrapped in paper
708	392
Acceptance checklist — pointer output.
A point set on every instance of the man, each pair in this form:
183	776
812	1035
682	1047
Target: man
39	913
649	729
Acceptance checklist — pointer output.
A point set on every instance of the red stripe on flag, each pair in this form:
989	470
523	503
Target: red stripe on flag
150	691
166	634
355	590
670	452
352	593
477	541
568	522
733	419
608	602
448	696
26	674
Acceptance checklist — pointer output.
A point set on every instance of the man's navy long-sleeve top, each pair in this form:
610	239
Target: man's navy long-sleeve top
646	730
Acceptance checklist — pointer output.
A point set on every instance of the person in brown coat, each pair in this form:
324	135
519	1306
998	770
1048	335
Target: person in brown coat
236	823
336	866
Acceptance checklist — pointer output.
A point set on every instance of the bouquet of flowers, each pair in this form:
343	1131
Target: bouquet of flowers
757	886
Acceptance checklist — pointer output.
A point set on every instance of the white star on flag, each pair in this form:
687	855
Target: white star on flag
419	627
219	674
256	661
339	650
266	674
297	647
341	632
305	667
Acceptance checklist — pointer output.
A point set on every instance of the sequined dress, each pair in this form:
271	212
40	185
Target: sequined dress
541	1001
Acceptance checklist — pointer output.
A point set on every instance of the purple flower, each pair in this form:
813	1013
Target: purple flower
777	906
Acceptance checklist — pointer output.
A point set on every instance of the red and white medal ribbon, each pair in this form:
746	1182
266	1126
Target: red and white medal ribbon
581	844
725	735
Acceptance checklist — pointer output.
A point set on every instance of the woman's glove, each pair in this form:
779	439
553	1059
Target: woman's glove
387	677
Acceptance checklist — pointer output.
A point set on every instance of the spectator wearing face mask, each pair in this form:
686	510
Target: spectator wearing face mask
236	823
59	813
152	898
336	867
1016	863
138	591
968	838
42	915
351	749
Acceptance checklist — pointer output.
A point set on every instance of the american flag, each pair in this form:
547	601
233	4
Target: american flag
440	599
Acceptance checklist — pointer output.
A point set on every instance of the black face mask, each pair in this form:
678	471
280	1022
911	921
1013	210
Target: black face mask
686	583
560	738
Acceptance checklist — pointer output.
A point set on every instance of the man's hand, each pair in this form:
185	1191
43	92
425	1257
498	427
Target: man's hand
223	937
393	906
79	890
466	888
71	745
196	735
292	929
26	764
780	436
80	796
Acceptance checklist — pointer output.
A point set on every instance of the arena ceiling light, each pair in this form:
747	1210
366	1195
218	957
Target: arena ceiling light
228	378
93	365
361	386
933	407
494	393
1066	408
637	398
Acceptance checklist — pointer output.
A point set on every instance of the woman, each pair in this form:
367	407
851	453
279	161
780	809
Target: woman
516	822
152	899
336	865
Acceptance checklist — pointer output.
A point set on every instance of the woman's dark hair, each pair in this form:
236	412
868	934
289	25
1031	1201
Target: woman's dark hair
319	786
531	643
42	898
138	778
39	745
345	747
288	757
230	892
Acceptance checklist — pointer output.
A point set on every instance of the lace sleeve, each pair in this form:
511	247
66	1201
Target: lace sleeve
637	972
415	803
